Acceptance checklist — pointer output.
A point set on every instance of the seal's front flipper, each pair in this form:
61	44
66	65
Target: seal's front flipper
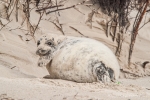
44	60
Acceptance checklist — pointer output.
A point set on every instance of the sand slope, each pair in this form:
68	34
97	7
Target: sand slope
20	78
42	89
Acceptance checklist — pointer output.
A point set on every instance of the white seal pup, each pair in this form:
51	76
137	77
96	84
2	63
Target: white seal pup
77	59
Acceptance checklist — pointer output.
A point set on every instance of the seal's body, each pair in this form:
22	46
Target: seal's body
78	59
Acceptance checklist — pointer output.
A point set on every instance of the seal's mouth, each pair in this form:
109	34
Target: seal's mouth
41	52
46	53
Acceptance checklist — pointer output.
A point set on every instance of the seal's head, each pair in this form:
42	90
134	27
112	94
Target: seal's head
46	46
48	43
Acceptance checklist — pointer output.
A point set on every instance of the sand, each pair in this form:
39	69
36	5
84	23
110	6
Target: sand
21	78
42	89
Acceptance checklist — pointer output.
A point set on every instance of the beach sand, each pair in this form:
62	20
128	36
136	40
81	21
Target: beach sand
22	79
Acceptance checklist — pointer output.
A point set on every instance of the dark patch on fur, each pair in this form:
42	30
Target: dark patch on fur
74	42
101	70
66	43
85	51
38	43
52	39
59	41
62	46
111	74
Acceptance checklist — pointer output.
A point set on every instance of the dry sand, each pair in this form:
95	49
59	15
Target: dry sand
21	78
45	89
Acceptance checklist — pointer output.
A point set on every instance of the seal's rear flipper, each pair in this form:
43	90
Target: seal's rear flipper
111	74
104	73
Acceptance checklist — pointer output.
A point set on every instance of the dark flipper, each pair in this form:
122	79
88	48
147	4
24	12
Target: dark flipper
104	73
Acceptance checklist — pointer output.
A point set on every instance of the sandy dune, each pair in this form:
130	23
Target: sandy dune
22	79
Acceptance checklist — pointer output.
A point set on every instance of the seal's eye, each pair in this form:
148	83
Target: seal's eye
49	43
38	43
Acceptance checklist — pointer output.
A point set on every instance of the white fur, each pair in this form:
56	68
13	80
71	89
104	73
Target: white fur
73	57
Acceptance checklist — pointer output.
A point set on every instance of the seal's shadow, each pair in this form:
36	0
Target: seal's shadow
47	77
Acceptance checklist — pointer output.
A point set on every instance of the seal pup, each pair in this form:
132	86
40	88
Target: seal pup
77	59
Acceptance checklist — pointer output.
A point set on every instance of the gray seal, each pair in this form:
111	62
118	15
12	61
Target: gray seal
77	59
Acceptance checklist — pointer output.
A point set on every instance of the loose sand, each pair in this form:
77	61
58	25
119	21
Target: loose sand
21	78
